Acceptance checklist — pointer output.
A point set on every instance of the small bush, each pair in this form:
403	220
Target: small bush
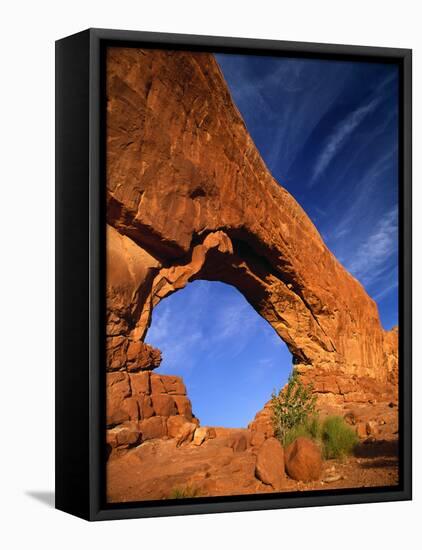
184	492
302	430
292	408
310	428
314	427
338	438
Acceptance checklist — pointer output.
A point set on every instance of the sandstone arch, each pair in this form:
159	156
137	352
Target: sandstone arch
189	197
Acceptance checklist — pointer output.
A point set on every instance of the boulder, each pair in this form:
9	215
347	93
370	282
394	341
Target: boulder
303	460
203	434
270	464
179	428
372	428
185	434
175	425
153	428
124	436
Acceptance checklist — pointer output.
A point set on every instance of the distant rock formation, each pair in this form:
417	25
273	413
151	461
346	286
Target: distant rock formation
189	197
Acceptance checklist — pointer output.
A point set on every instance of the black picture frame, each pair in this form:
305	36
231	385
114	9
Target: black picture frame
80	274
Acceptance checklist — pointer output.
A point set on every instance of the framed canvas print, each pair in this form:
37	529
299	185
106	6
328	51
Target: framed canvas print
233	274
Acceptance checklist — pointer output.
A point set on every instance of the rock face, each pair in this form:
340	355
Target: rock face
189	197
303	460
142	405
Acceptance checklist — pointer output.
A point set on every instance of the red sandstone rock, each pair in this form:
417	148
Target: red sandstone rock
350	418
125	435
371	428
361	430
163	404
303	460
175	425
270	463
153	428
184	405
174	385
203	434
131	406
262	425
119	407
157	385
116	351
140	383
182	430
257	438
146	409
118	385
237	439
142	356
116	413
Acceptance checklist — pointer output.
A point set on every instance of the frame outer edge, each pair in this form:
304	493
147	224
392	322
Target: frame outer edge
96	36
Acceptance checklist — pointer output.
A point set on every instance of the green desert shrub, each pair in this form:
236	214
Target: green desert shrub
337	437
301	430
184	492
310	428
294	415
293	408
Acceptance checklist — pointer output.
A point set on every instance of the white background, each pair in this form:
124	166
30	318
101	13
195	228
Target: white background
27	37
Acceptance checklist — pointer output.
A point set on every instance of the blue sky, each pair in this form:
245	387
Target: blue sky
327	131
230	358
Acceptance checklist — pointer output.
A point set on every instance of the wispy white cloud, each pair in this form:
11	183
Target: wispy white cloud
192	324
368	185
344	130
378	296
339	137
371	259
285	98
235	325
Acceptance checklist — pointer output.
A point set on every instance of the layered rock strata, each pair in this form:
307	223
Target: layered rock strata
142	405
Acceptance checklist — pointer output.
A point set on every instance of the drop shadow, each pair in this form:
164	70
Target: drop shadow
381	463
377	449
45	497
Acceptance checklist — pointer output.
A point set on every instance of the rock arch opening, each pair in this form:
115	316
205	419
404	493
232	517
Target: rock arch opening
229	357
